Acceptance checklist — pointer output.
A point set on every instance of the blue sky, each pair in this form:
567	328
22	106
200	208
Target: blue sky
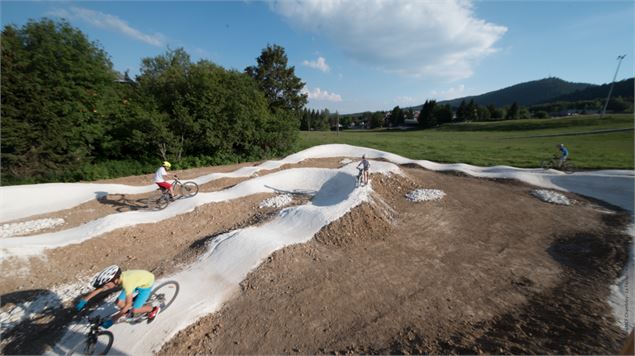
368	55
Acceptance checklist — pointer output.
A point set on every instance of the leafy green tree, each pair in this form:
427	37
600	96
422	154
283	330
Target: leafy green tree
493	113
281	86
462	111
427	116
619	104
523	113
471	112
325	117
346	121
212	111
375	119
483	113
396	116
512	113
443	114
56	86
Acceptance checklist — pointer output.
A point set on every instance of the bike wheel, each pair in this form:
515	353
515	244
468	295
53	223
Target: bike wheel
189	189
568	167
546	164
164	294
98	345
163	201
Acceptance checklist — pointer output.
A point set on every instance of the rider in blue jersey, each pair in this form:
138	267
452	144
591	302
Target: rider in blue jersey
565	153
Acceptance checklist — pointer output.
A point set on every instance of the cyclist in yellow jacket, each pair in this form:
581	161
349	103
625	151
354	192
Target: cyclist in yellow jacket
131	282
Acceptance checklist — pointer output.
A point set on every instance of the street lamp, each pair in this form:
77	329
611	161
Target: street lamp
619	59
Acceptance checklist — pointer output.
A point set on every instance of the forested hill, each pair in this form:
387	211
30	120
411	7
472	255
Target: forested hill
623	88
528	93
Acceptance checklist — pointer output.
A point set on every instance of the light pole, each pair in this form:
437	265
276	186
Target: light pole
619	61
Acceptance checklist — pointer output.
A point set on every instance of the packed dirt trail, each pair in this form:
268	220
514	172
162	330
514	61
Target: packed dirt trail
481	271
488	268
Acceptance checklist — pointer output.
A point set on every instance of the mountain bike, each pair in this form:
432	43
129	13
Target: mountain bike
162	296
182	189
554	163
97	341
359	180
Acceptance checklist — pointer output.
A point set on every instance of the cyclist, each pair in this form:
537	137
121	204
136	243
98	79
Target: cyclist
160	181
366	165
139	281
565	153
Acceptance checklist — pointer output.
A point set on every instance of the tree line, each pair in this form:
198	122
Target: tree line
67	115
433	114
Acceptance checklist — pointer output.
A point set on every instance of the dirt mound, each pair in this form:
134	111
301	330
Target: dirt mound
366	222
480	270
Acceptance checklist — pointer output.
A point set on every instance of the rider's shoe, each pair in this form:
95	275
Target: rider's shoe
153	314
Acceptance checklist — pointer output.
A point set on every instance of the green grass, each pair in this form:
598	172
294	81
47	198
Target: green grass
501	143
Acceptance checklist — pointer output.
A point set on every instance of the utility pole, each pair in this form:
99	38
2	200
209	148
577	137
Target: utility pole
619	61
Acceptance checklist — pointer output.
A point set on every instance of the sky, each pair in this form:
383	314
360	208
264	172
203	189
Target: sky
363	55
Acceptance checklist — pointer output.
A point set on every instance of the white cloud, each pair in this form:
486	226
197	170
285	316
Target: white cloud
404	100
441	39
319	64
318	94
111	22
451	93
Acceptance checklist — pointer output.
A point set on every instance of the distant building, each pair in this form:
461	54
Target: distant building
124	78
410	122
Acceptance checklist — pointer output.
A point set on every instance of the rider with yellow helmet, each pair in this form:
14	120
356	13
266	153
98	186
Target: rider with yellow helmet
160	180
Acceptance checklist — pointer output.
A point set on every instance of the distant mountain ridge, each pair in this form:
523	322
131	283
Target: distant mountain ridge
624	88
525	94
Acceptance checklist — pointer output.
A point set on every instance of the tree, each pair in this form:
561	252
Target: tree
375	120
512	113
523	113
305	120
346	121
427	117
56	86
462	111
397	116
471	111
213	112
443	114
619	104
483	114
492	111
281	86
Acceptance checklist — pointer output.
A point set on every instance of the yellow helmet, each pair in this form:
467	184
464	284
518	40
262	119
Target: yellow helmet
166	164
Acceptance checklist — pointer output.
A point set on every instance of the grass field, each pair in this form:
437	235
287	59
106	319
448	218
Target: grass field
515	143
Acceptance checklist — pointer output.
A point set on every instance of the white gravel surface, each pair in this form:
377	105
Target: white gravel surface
27	227
425	195
278	201
550	196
